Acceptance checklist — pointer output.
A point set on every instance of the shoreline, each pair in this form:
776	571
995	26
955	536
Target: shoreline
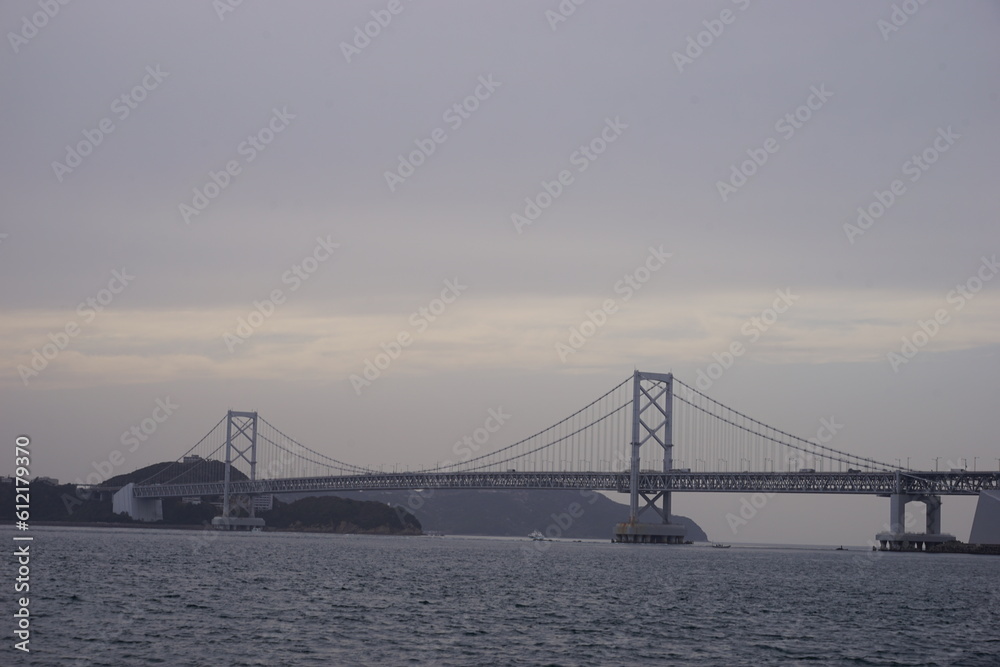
188	526
952	548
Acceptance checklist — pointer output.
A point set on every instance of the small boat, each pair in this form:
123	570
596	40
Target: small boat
536	536
720	546
841	548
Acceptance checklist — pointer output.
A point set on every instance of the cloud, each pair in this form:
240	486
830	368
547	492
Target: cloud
135	345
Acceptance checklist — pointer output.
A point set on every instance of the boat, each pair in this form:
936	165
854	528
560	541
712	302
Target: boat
536	536
721	546
841	548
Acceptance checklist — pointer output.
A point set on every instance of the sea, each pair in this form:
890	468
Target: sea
117	597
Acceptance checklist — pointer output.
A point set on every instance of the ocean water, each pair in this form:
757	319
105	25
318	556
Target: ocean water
120	597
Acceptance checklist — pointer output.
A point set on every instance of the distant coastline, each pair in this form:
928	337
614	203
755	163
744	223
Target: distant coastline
183	526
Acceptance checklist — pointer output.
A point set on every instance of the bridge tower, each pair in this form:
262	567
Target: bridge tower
652	420
241	443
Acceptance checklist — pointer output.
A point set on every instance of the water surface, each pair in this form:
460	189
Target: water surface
120	597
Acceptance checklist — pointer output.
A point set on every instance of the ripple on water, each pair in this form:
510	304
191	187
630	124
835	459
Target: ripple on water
144	597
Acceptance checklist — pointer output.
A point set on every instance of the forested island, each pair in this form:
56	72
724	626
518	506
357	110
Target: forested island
331	514
70	504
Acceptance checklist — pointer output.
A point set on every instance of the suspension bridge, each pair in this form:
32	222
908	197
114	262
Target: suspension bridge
649	436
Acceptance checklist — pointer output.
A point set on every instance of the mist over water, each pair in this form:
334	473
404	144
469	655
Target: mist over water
119	597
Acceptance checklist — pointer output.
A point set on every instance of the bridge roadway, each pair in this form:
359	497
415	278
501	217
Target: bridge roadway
861	483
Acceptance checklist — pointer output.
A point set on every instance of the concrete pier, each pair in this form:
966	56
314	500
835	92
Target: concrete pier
911	541
897	511
141	509
986	525
649	533
898	539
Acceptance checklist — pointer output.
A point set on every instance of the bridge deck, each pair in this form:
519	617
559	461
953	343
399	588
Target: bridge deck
864	483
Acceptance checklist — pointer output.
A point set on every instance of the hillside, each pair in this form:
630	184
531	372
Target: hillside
341	515
173	472
62	502
68	503
514	513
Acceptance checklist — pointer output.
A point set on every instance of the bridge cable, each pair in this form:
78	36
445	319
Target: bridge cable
788	435
181	457
521	442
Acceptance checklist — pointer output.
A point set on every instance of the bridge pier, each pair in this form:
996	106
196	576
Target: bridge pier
897	539
141	509
897	511
652	393
986	524
649	533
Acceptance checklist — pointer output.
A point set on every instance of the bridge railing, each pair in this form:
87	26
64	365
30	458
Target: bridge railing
863	483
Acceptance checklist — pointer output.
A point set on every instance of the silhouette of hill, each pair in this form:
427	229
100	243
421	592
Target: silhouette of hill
563	513
173	472
513	513
341	515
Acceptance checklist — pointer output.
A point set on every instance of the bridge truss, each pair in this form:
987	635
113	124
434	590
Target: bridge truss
865	483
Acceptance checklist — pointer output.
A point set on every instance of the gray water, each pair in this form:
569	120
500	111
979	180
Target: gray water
121	597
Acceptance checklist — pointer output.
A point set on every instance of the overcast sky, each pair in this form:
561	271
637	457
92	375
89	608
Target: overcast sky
740	138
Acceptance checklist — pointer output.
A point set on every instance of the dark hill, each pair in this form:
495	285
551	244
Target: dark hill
515	513
69	503
341	515
173	472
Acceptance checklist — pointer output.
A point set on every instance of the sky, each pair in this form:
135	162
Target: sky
225	205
